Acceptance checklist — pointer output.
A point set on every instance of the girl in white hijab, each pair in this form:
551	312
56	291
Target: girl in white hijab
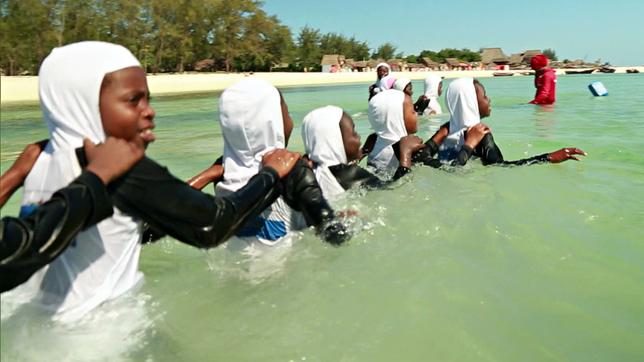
427	104
466	136
94	89
333	145
252	123
404	85
392	116
103	262
382	70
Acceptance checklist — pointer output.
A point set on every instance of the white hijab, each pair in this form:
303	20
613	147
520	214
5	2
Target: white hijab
387	82
386	119
251	122
250	114
401	83
431	92
102	262
464	111
323	143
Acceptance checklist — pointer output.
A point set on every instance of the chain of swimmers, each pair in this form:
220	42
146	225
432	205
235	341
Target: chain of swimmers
87	208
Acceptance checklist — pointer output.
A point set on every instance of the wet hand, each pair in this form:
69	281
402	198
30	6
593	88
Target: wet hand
112	158
408	145
475	134
281	160
565	154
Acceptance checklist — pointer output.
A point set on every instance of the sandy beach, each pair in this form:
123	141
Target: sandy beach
24	89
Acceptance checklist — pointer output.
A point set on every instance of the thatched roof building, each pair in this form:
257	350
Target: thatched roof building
491	56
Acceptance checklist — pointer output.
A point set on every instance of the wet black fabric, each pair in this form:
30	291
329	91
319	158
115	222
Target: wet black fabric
490	154
27	244
170	206
420	105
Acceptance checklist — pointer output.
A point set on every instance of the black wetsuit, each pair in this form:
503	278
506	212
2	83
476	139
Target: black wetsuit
349	176
27	244
170	206
486	150
420	105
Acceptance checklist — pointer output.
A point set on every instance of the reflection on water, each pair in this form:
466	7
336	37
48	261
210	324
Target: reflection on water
505	264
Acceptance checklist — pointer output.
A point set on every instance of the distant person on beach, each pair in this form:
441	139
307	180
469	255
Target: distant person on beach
382	70
255	120
31	242
392	117
427	103
545	80
333	146
98	90
468	104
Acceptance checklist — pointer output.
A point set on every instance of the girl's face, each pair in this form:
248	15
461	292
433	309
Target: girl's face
382	71
350	138
485	107
125	108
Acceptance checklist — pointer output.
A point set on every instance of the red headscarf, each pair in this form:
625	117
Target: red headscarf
538	61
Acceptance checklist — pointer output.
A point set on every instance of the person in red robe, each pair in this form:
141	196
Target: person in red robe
545	80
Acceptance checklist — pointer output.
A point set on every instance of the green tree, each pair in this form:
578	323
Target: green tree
550	53
385	51
308	49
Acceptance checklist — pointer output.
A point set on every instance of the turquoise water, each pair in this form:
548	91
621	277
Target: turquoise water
496	264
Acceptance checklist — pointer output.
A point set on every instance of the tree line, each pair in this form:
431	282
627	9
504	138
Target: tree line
179	35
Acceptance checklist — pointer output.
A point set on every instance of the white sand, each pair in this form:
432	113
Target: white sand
24	89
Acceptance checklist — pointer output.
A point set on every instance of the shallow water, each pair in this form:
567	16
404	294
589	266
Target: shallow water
534	263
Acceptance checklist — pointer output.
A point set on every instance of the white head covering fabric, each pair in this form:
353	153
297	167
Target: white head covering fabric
250	114
102	262
251	122
387	82
432	82
464	111
323	143
401	83
386	119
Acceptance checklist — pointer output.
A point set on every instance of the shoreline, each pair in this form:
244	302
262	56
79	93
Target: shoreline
23	90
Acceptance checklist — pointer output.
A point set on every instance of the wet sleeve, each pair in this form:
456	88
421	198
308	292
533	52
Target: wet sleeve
302	192
27	244
350	176
170	206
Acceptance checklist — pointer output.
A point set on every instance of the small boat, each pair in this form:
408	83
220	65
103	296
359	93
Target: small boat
502	74
585	71
606	70
632	71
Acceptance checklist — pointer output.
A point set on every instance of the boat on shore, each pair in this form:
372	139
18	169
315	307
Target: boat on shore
502	74
606	69
582	71
632	71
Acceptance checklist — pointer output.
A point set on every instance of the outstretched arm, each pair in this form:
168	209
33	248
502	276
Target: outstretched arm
13	178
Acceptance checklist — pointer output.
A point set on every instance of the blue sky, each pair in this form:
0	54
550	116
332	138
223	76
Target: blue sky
591	29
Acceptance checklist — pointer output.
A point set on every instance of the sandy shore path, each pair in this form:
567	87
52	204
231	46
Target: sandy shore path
24	89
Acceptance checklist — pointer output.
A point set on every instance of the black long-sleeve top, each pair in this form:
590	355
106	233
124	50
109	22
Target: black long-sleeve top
27	244
487	150
170	206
